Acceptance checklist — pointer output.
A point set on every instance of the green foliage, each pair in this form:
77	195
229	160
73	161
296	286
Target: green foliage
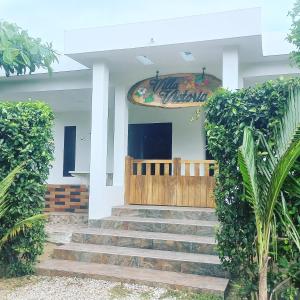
228	113
25	136
19	52
6	206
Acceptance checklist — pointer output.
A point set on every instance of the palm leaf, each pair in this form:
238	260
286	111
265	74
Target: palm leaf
287	151
21	227
247	165
7	182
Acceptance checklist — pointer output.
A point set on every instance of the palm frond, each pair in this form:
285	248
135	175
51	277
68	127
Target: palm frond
20	227
288	224
7	182
247	165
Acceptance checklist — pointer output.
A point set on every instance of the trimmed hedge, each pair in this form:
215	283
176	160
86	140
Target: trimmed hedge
227	114
25	136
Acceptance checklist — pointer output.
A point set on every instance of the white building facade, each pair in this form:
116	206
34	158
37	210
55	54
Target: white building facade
90	97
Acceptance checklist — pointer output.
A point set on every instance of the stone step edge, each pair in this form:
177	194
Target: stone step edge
148	235
182	222
165	279
166	208
141	253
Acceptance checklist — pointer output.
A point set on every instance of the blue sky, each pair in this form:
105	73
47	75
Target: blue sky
49	18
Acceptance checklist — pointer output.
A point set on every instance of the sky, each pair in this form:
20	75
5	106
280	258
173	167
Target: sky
49	18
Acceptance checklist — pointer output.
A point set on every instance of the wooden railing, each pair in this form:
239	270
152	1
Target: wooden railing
170	182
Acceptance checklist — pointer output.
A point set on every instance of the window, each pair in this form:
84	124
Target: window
69	150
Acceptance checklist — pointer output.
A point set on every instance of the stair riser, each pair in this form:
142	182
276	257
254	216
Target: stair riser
47	272
197	268
144	243
164	214
158	227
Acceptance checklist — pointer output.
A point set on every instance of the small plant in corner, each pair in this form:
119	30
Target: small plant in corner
5	207
264	179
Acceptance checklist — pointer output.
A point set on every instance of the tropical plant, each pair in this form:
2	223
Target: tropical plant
19	52
5	206
263	181
26	135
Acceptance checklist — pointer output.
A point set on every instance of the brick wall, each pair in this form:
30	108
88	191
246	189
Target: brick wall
67	198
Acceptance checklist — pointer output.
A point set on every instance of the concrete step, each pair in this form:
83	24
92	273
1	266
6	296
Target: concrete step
146	240
155	278
61	218
177	226
165	212
61	233
191	263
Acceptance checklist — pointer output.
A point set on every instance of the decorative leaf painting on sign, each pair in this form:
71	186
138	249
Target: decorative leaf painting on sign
173	91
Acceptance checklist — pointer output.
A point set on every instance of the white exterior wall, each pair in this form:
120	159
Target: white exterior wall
188	138
82	122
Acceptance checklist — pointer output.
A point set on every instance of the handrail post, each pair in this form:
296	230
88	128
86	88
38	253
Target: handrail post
128	173
177	166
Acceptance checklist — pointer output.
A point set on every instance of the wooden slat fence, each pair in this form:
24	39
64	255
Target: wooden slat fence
174	182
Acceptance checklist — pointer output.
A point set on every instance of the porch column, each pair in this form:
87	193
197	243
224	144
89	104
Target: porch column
98	205
230	68
120	135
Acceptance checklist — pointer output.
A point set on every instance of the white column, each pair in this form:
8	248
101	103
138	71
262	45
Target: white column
98	205
120	135
230	68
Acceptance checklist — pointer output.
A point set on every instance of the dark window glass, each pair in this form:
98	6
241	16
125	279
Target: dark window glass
69	150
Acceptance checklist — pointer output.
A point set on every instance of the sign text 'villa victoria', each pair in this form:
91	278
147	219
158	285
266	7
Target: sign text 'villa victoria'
176	90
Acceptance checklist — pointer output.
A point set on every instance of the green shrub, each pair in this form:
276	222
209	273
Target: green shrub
25	136
227	114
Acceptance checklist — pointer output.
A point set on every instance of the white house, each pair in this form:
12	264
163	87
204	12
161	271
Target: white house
94	119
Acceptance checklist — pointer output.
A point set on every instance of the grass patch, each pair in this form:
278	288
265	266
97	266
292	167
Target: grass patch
180	295
146	295
119	292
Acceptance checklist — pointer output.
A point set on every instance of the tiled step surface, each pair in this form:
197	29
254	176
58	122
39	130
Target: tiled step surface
191	263
146	240
197	283
172	247
178	226
165	212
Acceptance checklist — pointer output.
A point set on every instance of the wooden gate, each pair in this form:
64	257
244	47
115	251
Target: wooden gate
170	182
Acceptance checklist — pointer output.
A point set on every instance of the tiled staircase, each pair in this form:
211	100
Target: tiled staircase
153	245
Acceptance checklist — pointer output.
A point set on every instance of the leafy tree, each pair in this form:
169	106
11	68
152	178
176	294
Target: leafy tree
264	179
20	53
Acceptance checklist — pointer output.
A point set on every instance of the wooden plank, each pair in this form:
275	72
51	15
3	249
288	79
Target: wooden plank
139	168
198	161
179	190
210	192
148	169
152	161
157	169
177	166
166	169
128	172
203	191
138	189
149	190
196	169
187	167
161	190
132	189
197	202
185	190
206	169
155	190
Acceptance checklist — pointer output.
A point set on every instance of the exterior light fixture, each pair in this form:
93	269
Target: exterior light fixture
187	56
144	60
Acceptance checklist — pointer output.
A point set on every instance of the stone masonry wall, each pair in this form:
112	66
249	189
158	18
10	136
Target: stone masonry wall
67	198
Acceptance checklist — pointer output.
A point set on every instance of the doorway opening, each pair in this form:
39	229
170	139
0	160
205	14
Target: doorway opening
150	141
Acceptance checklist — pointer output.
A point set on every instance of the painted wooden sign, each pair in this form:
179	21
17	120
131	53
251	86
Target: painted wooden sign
176	90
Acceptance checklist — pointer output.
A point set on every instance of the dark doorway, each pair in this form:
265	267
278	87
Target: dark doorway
150	141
